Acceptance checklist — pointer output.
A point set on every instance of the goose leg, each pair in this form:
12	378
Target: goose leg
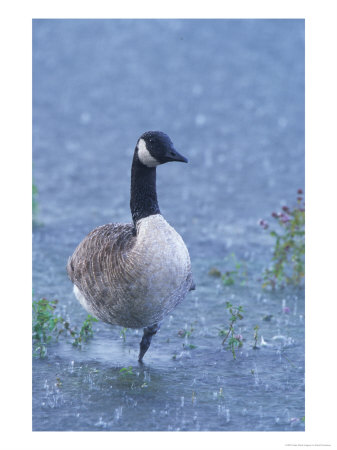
146	340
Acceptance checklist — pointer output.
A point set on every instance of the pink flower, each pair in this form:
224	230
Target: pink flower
286	310
284	218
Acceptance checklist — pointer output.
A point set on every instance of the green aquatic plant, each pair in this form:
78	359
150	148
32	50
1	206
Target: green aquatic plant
126	370
288	260
48	326
190	346
187	333
228	278
45	325
86	331
232	338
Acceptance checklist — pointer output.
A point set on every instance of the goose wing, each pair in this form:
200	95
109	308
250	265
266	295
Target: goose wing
98	266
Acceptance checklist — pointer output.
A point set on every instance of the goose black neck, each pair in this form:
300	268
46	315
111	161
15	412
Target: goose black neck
143	202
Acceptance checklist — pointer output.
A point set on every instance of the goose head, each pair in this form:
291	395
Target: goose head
155	148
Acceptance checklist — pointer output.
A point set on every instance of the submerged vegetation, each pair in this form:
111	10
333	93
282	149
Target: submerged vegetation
47	326
288	260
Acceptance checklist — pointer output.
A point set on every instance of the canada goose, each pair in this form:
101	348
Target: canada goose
133	275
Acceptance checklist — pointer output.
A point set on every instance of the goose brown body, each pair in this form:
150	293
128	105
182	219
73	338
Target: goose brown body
131	279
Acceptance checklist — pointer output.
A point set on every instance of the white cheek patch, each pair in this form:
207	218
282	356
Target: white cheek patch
144	155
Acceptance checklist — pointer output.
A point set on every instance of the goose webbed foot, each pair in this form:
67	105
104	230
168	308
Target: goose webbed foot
146	340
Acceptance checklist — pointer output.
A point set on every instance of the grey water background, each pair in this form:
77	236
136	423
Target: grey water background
230	94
